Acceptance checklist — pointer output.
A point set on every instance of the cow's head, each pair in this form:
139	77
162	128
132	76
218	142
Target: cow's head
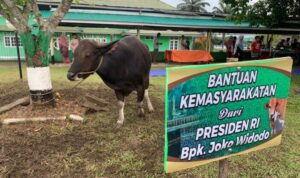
87	57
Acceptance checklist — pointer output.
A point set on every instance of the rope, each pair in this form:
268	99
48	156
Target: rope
91	73
39	94
42	94
78	83
44	103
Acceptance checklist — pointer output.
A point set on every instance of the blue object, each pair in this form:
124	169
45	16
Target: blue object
157	72
296	72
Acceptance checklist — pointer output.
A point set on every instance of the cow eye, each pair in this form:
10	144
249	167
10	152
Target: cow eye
87	55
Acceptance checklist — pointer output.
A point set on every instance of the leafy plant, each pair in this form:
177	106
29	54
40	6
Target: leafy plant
222	9
270	13
193	5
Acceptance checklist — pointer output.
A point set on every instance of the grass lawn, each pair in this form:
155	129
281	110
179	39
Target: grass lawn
97	149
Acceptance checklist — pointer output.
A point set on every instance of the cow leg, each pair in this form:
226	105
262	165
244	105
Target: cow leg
150	107
140	98
146	95
121	104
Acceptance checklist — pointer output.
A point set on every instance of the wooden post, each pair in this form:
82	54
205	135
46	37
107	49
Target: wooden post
52	51
18	53
207	41
138	33
223	168
209	45
270	47
210	41
223	41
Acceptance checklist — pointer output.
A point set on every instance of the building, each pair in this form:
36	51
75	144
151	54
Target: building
169	39
106	21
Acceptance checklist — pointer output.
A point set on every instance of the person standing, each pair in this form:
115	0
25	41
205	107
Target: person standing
234	41
280	45
74	42
64	48
269	43
295	45
156	44
188	43
183	45
229	47
287	43
239	47
261	40
256	48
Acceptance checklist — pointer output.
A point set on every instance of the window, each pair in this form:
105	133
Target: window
174	43
56	43
99	40
103	40
149	37
13	41
10	41
7	41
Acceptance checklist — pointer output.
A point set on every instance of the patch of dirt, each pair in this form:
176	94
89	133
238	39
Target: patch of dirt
67	102
12	91
94	148
31	151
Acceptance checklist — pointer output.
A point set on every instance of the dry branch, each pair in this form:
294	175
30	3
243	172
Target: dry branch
6	15
16	13
26	11
58	15
93	106
40	119
37	12
22	101
96	100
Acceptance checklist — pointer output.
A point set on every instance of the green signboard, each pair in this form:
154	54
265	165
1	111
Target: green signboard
221	110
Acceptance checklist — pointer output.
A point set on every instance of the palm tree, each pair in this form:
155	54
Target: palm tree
223	9
193	5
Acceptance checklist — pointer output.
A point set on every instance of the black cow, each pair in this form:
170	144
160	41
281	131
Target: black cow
123	65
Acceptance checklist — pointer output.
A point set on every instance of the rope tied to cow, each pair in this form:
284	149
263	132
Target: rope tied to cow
90	73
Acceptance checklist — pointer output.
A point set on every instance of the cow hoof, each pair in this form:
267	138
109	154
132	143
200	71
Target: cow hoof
119	125
151	110
141	113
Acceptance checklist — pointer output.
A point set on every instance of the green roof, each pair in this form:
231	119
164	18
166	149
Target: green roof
154	20
2	21
152	4
85	17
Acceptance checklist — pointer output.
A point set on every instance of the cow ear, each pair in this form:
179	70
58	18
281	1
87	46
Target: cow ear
107	47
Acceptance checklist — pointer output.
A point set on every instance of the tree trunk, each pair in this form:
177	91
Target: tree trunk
36	36
38	73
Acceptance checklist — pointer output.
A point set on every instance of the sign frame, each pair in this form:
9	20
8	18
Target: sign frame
281	65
